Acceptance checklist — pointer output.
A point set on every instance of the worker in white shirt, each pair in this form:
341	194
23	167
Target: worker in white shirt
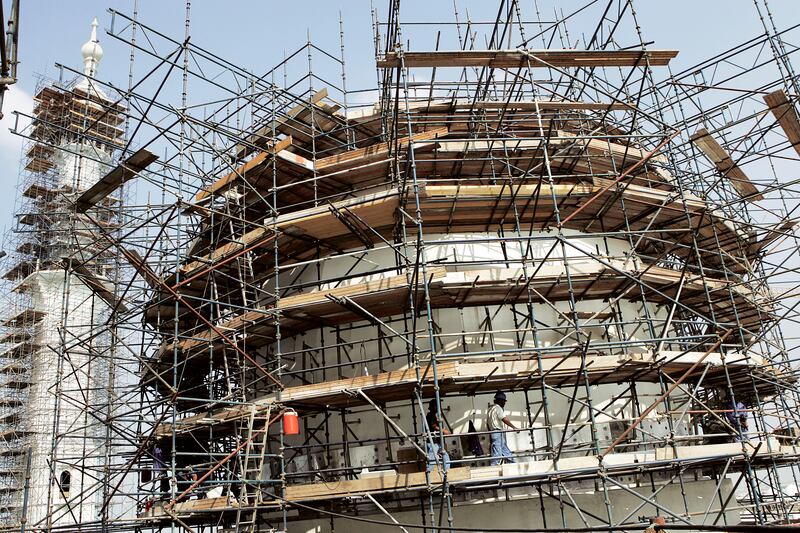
496	421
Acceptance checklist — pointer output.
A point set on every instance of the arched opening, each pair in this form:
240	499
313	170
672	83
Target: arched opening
64	481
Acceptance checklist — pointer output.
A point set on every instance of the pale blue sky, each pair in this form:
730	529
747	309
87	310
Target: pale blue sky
255	34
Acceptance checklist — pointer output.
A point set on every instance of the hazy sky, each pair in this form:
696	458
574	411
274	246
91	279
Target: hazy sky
256	34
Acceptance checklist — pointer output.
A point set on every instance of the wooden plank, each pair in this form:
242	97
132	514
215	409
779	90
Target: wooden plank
439	106
759	242
241	172
375	207
119	175
536	58
25	317
339	387
36	190
384	297
11	451
461	207
13	367
361	156
98	284
189	507
263	135
725	164
335	390
373	484
251	238
550	105
786	115
502	191
136	261
503	371
325	120
653	197
357	289
623	154
296	159
588	315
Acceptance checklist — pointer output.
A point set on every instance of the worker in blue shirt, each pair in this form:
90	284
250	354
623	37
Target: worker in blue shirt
737	418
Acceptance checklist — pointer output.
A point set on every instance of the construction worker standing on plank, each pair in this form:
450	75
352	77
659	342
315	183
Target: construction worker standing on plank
496	421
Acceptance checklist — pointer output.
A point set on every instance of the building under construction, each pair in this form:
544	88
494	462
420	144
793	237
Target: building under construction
288	305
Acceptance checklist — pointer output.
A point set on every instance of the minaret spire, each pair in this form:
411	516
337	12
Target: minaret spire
92	52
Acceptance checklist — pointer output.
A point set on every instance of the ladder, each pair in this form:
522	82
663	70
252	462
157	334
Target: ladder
254	470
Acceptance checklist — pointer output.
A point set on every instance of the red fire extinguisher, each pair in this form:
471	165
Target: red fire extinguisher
291	423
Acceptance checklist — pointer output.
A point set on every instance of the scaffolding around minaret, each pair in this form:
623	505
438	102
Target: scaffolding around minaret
61	284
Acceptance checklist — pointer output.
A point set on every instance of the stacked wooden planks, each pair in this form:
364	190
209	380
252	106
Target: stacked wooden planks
524	58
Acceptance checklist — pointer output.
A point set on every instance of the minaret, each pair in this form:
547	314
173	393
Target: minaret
56	345
92	53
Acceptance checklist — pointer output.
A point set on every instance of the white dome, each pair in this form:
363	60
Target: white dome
92	51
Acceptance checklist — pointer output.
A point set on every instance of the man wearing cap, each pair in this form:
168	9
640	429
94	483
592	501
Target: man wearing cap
495	422
432	445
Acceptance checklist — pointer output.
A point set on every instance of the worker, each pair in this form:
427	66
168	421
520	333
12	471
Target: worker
186	481
496	421
737	418
160	470
433	444
657	524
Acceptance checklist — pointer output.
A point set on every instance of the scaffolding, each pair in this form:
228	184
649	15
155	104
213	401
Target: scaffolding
58	360
607	241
